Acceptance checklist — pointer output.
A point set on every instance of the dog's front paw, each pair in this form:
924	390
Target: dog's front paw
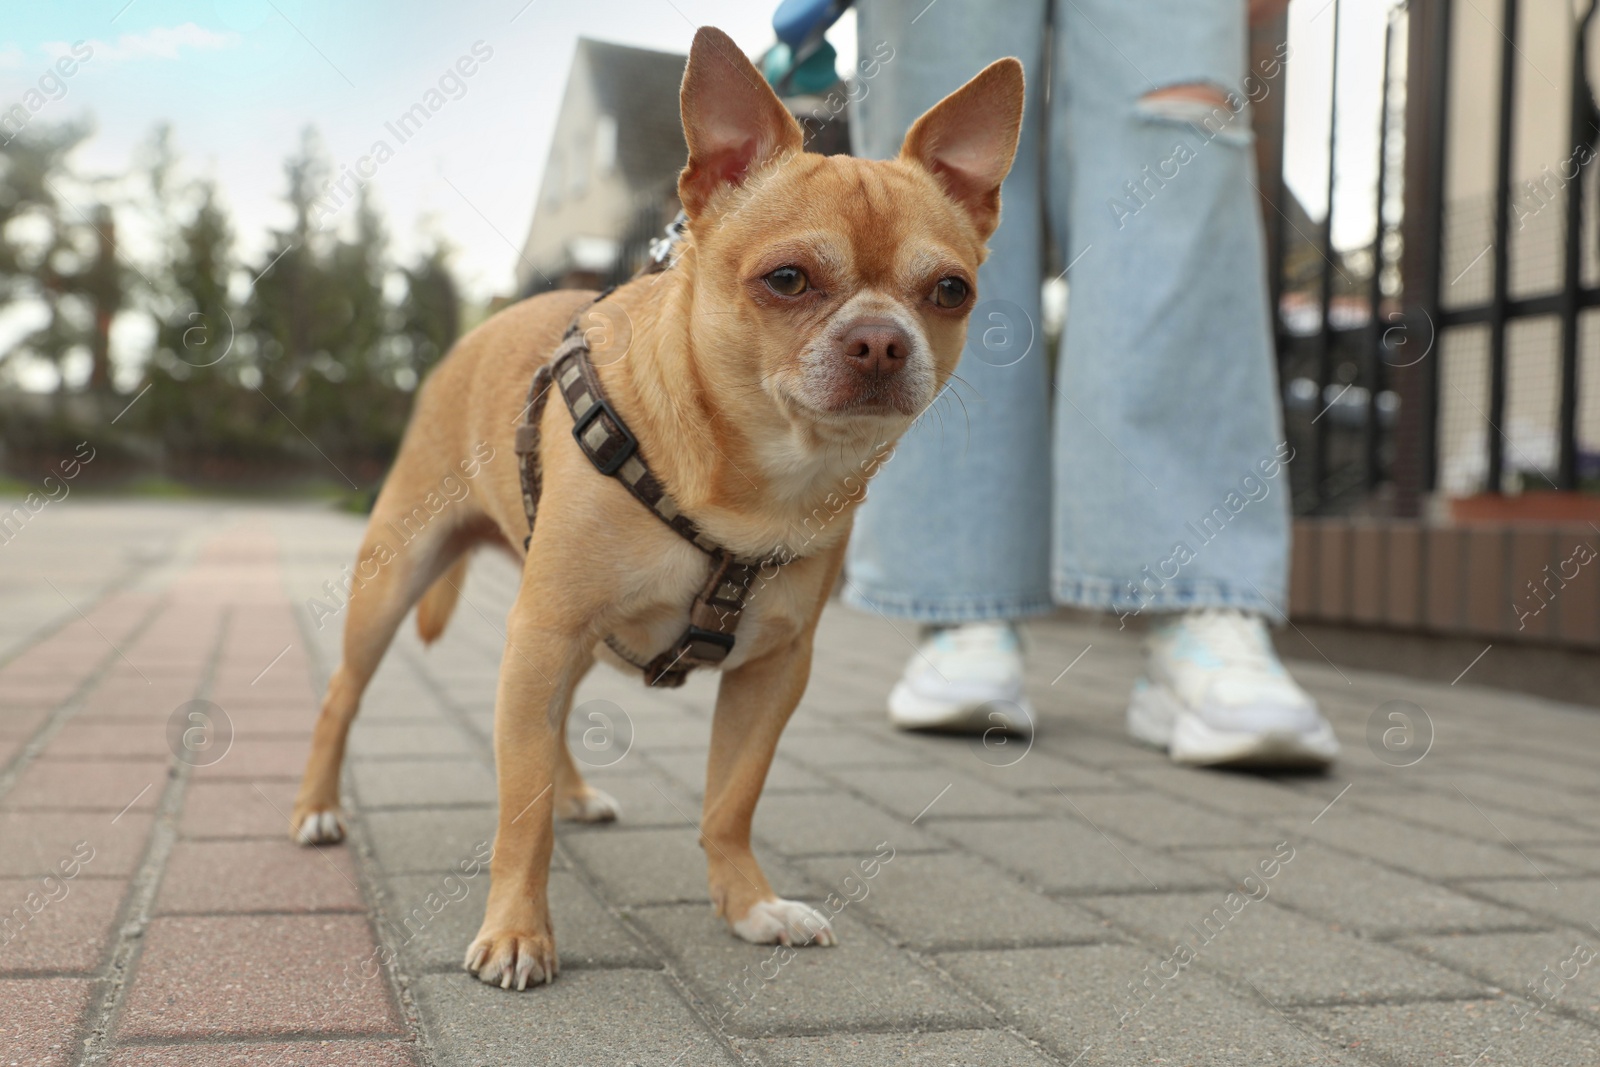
317	828
513	958
785	922
592	805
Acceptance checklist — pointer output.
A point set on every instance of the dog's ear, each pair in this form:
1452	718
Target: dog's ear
968	140
733	122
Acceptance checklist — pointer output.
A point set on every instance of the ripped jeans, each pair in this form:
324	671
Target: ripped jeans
1144	470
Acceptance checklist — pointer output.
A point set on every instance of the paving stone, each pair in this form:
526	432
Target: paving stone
1290	799
258	758
80	739
647	797
255	876
1569	899
1472	817
1115	751
386	741
249	975
37	842
433	918
1066	855
688	769
767	990
842	748
269	723
40	1020
1558	969
586	1017
923	793
1584	858
969	1048
82	785
1430	853
1362	897
644	866
1460	1032
238	809
1232	934
1152	819
948	900
1538	799
804	824
422	841
57	925
423	783
22	722
1036	771
295	1054
1080	1002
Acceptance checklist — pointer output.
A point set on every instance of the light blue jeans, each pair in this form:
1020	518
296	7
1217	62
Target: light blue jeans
1160	484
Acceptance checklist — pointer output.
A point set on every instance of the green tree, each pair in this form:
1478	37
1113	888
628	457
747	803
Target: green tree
430	314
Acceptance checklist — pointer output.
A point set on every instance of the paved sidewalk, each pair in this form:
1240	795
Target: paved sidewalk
1079	902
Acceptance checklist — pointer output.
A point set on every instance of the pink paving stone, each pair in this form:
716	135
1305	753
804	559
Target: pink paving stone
120	696
224	808
259	757
296	1054
89	785
287	677
254	876
254	976
22	722
40	1019
56	926
42	693
81	739
36	842
278	719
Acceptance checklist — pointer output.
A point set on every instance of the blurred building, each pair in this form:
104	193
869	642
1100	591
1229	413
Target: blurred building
611	182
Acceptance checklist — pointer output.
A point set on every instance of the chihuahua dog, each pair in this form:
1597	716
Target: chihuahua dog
815	307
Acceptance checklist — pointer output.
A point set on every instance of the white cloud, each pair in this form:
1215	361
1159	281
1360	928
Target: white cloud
11	58
163	42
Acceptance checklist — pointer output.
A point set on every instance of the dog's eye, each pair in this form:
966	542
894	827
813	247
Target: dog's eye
950	293
788	281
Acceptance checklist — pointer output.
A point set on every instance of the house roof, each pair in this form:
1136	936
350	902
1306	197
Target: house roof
639	88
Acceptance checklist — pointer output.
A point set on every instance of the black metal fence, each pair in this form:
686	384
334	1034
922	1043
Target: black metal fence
1448	352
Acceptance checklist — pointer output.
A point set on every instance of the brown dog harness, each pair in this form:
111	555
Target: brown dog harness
614	451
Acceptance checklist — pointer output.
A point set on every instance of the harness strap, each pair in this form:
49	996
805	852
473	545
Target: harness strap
605	439
527	445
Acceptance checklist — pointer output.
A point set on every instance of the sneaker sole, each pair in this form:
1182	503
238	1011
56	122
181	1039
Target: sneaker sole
1157	717
909	710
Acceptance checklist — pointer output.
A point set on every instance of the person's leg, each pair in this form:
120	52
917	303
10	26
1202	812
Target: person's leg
1171	492
956	525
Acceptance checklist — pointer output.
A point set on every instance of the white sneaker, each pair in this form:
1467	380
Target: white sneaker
965	678
1213	692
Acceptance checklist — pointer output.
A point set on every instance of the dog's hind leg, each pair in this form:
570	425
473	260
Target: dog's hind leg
399	558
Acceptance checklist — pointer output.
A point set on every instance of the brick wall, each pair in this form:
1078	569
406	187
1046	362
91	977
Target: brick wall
1538	583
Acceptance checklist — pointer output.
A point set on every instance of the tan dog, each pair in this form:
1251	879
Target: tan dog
818	305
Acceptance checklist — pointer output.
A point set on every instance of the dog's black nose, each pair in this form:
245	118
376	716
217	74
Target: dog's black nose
878	348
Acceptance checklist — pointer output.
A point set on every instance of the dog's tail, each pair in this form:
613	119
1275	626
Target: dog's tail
433	610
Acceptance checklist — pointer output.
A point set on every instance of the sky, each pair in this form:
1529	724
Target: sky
240	79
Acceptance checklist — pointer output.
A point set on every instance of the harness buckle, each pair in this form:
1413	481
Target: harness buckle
630	444
696	638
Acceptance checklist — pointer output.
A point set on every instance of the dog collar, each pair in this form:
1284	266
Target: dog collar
613	449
